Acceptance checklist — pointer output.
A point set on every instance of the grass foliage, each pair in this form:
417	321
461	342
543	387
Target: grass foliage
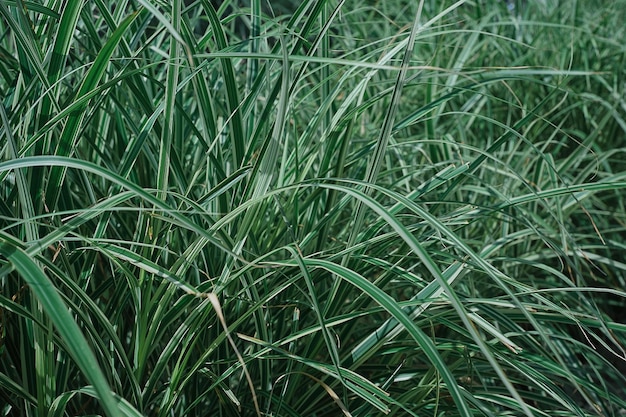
336	208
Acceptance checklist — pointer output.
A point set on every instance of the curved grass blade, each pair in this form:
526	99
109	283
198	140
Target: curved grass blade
419	250
54	307
66	162
398	313
58	406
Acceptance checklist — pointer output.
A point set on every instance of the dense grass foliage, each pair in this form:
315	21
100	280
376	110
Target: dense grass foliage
336	208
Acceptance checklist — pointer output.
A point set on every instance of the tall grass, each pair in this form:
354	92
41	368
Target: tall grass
335	208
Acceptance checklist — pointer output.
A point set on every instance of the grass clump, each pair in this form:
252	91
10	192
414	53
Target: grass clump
325	209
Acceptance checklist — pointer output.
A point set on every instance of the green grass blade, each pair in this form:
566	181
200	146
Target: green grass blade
167	133
392	307
71	130
54	307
